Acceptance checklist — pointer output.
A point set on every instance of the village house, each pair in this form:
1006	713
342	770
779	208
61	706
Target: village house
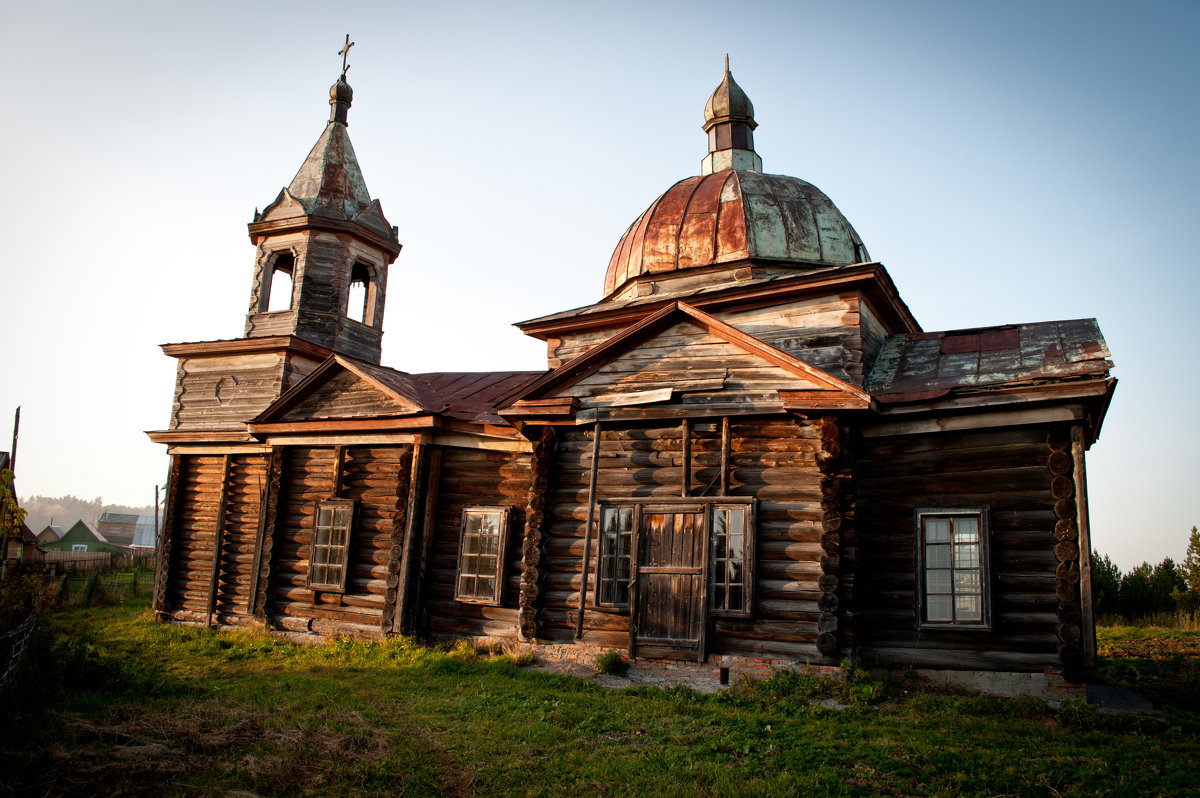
746	454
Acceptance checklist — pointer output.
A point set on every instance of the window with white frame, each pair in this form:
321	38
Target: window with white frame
78	547
481	555
616	549
952	554
328	559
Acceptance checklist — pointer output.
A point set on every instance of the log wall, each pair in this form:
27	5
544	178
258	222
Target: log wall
376	477
1015	473
475	477
774	460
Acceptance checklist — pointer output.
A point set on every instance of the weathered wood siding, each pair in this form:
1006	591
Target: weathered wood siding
822	331
475	477
376	477
773	460
691	360
1008	472
222	392
346	396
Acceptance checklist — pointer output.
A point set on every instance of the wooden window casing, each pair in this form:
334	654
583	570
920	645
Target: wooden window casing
953	584
616	566
329	551
481	551
614	560
731	561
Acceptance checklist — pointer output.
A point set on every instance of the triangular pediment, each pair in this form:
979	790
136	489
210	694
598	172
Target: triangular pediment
683	356
343	388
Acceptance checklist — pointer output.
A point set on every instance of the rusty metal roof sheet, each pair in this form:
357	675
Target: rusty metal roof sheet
473	396
731	216
922	366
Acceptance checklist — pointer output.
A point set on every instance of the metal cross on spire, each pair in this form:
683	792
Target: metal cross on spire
344	52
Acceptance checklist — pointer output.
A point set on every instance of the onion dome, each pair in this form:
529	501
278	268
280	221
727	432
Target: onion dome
732	213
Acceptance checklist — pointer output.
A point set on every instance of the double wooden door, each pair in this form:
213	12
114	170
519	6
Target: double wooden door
670	583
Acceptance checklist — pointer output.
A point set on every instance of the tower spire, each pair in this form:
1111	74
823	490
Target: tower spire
340	93
729	123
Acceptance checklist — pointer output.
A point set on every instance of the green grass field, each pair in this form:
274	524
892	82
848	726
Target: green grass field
121	705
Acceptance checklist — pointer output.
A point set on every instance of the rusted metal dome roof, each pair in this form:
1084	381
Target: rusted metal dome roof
732	216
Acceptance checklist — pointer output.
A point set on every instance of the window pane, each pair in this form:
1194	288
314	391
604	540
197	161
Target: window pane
966	555
718	601
719	527
937	556
735	546
937	582
937	530
735	572
609	518
473	522
621	593
485	587
966	530
939	608
968	608
625	542
737	521
719	545
606	592
967	582
735	597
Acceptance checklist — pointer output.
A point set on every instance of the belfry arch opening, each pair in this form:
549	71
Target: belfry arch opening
278	284
360	301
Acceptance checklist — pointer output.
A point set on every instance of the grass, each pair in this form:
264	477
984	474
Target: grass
120	704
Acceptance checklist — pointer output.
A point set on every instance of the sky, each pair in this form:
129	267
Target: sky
1007	162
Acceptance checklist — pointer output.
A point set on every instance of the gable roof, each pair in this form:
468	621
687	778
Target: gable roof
920	367
410	395
473	396
672	314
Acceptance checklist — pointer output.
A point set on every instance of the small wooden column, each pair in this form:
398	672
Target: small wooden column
268	511
390	619
1088	618
587	535
218	541
410	559
166	534
531	544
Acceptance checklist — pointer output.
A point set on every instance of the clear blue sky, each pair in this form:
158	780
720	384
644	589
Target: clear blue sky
1008	162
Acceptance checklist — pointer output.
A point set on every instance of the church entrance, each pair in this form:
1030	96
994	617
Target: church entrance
670	583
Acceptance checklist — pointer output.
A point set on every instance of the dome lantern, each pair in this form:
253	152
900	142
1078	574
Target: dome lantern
729	123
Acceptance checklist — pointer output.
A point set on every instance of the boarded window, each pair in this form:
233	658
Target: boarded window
616	547
328	557
481	555
952	551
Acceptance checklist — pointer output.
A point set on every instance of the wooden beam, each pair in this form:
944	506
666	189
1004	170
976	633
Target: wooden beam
428	530
686	487
339	468
335	425
1088	620
725	447
162	570
218	543
402	622
256	603
975	421
587	535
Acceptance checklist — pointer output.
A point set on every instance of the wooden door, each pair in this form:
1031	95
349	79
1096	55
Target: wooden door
670	583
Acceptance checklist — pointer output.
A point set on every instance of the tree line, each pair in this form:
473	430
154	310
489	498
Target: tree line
1148	590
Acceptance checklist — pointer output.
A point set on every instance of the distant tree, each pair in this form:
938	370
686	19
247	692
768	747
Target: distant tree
1137	592
1165	582
1188	598
1106	585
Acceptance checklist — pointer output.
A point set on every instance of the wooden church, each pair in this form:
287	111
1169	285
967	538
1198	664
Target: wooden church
747	452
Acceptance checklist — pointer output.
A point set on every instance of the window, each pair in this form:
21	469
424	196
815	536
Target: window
327	559
616	546
481	555
360	298
952	553
277	285
78	547
729	549
730	591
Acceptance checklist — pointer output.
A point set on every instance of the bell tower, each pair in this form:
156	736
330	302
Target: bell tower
323	248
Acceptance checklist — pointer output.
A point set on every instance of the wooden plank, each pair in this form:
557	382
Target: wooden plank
978	421
219	532
587	546
1085	547
406	592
